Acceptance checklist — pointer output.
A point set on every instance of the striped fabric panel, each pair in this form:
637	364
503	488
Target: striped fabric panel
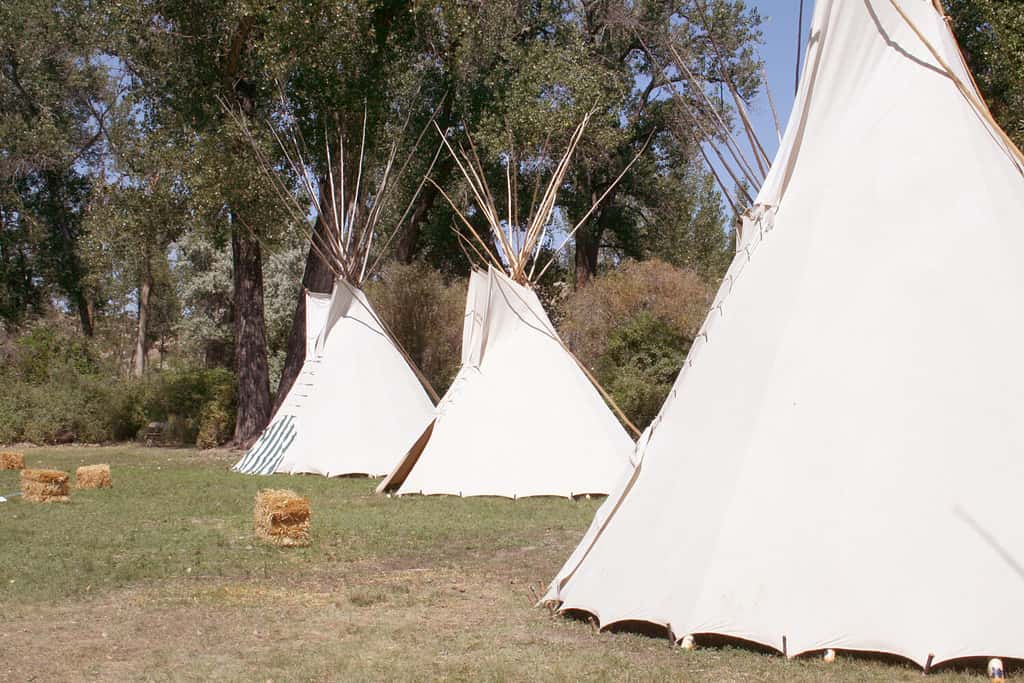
268	451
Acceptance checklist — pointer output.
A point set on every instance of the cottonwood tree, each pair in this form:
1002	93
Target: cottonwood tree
55	92
522	74
991	33
129	228
193	63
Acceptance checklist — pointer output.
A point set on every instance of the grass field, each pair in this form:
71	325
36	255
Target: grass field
160	579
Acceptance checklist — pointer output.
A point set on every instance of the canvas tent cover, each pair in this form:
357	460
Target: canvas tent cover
356	404
521	418
839	464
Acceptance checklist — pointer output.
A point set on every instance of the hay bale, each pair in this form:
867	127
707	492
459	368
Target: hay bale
93	477
281	517
44	486
12	461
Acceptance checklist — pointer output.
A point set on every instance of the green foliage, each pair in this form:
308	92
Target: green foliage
44	352
991	33
63	390
216	423
203	285
53	91
641	362
633	327
192	402
686	229
60	391
281	287
81	408
425	314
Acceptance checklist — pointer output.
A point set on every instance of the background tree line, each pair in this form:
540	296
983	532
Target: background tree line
149	270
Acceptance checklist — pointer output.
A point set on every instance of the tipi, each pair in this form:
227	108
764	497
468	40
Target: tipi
521	417
840	461
358	400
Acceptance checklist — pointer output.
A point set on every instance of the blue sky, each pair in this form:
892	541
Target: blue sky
779	53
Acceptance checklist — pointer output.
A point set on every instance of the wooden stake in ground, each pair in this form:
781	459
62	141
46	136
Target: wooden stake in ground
281	517
44	486
93	477
12	461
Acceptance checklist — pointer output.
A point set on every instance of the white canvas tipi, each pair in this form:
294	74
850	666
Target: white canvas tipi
521	417
358	400
839	464
356	404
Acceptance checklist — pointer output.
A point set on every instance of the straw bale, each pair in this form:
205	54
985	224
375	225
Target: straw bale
12	461
281	517
44	486
93	477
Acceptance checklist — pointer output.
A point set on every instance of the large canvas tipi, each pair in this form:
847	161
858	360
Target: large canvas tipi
840	461
358	400
521	417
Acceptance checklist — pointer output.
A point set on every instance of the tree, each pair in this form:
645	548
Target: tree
55	94
991	33
193	62
522	74
685	227
354	76
128	230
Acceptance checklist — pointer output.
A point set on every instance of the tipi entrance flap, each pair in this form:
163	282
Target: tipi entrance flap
341	302
402	469
832	434
473	325
317	306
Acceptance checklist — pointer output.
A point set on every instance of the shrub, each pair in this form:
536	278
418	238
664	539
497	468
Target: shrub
186	397
63	393
425	315
642	359
89	408
216	423
632	327
43	351
66	393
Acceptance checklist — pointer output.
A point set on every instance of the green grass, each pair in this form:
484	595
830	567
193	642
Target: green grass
160	578
174	513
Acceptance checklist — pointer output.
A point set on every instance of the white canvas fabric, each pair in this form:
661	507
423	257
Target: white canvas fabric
840	461
356	404
521	419
264	456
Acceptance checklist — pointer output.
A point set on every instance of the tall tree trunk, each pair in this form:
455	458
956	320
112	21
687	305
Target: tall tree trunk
409	240
250	336
408	243
68	269
86	313
588	244
316	277
142	331
588	237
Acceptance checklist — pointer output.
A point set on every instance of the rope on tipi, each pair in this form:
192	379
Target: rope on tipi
972	94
